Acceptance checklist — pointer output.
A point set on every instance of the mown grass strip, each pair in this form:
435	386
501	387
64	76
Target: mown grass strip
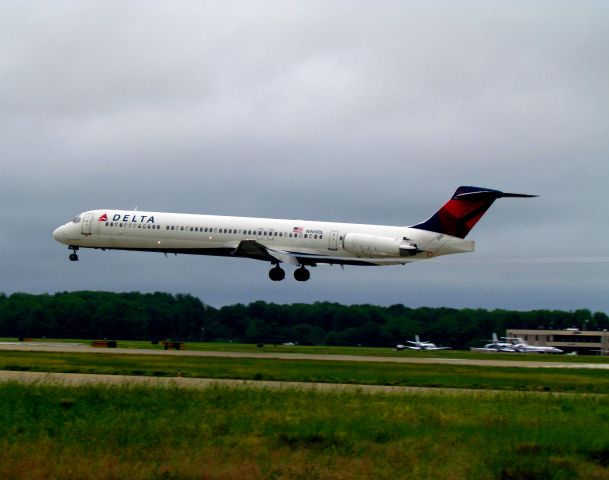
419	375
148	433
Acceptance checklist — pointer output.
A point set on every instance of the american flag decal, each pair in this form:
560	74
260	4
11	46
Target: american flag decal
297	230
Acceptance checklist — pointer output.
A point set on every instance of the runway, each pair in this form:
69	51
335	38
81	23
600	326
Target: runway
508	363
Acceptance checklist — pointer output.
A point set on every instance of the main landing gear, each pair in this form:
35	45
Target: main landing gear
277	274
73	257
302	274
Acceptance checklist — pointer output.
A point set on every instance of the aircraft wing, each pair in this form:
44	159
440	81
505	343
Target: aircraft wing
253	249
283	256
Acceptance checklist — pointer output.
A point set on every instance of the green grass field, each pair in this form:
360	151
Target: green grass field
223	433
59	432
404	374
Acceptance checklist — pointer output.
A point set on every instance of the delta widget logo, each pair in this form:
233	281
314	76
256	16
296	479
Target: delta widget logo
129	218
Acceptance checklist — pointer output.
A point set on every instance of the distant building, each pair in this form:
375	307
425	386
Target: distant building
570	340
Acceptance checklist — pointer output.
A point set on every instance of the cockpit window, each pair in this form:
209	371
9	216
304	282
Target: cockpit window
77	219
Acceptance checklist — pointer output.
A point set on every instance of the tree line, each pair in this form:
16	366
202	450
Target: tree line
134	315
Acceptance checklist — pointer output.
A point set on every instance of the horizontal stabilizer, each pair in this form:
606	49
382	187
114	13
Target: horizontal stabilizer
494	194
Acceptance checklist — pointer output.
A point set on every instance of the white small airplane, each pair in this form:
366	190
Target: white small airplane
495	346
295	242
522	347
419	345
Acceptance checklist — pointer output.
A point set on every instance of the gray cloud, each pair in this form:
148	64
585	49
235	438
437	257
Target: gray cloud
332	111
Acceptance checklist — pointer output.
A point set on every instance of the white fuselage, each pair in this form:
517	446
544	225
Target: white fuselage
297	242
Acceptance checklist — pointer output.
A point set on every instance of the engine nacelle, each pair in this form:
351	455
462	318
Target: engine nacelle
364	245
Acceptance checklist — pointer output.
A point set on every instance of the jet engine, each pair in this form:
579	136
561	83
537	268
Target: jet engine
364	245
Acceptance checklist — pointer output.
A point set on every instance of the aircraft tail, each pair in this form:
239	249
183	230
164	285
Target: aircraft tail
459	215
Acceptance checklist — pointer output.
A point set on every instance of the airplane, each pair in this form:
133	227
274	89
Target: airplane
495	346
419	345
522	347
294	242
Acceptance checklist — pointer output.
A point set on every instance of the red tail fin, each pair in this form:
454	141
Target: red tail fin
459	215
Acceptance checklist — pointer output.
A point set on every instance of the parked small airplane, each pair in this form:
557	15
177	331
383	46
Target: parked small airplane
522	347
295	242
419	345
495	346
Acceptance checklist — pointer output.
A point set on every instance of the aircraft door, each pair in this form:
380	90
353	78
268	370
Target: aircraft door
86	224
333	241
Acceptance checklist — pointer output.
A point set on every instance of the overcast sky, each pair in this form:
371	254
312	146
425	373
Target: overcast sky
364	112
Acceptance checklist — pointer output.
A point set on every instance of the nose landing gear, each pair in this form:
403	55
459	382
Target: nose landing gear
73	256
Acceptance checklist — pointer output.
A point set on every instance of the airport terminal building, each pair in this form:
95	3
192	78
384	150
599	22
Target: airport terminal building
590	342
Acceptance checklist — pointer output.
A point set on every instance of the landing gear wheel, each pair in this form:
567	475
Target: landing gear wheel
73	257
277	273
302	274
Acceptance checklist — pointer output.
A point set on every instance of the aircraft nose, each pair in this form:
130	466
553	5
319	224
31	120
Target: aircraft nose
59	233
